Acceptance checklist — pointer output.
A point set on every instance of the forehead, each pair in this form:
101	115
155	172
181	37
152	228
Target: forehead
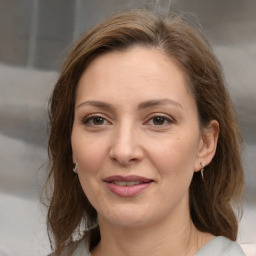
125	73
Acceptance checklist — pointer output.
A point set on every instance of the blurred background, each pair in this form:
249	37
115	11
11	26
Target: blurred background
35	37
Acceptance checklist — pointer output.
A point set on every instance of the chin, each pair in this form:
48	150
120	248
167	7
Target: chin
127	217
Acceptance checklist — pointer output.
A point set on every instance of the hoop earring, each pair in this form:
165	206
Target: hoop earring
202	170
75	168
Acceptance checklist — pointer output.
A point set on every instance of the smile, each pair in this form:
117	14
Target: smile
128	186
123	183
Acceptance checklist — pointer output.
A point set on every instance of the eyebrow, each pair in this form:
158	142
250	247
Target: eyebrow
151	103
141	106
99	104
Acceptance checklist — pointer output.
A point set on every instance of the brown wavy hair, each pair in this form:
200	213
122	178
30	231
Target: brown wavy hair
212	201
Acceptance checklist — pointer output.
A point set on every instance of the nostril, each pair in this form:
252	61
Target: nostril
122	162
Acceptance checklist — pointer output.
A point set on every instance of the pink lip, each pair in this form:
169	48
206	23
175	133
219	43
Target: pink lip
126	178
127	191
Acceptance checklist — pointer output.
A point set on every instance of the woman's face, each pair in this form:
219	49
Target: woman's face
136	137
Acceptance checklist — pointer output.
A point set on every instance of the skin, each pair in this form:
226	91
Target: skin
127	139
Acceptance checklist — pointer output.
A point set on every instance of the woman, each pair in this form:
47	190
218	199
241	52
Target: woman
141	114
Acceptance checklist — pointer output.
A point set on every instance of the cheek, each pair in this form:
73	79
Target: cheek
90	158
174	156
88	153
174	161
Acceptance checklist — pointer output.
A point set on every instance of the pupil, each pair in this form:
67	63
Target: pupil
158	120
98	120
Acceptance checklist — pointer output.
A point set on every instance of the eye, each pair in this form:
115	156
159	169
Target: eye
159	120
94	120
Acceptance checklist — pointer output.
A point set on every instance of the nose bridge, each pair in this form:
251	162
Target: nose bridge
125	144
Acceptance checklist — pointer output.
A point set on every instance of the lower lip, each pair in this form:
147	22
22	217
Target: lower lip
127	191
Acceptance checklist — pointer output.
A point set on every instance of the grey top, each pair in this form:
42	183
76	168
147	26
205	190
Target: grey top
219	246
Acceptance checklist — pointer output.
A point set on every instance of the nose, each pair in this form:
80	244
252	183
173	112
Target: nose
126	147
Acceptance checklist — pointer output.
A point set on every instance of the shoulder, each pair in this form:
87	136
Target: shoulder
221	245
75	249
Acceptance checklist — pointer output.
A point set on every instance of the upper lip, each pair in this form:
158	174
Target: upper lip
126	178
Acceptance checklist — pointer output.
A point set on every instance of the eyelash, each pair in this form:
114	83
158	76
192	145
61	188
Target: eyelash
92	117
87	119
165	118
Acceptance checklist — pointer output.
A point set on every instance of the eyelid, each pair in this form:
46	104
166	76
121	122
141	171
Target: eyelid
89	117
166	117
85	119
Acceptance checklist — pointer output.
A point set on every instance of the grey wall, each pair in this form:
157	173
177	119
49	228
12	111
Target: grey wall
35	37
37	33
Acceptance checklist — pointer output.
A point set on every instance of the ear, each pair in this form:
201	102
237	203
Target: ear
207	145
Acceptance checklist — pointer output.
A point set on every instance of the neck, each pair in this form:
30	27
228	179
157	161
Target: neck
173	236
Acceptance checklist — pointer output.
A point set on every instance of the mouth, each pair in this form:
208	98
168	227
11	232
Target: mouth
128	183
127	186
